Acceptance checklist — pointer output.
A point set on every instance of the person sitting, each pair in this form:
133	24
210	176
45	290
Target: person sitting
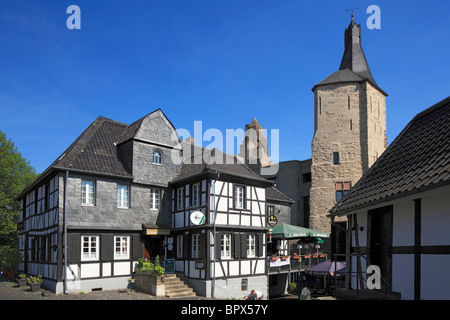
254	295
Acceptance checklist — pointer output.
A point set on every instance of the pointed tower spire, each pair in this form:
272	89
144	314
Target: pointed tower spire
354	58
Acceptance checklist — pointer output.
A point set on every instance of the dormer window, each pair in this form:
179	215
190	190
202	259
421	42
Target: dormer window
157	157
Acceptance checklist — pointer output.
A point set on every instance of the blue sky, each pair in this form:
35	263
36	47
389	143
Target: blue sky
222	62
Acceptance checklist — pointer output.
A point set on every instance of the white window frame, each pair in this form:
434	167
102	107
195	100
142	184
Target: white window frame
180	196
121	247
123	196
251	246
195	195
93	249
239	197
225	246
155	198
87	192
180	246
157	157
195	245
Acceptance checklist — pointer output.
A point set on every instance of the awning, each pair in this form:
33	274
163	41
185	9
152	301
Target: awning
287	231
327	267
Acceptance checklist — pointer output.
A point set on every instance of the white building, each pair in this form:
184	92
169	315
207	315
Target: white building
398	213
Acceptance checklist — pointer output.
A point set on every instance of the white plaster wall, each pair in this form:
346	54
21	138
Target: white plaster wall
403	275
436	218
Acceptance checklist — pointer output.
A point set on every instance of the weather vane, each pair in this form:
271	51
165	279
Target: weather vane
351	10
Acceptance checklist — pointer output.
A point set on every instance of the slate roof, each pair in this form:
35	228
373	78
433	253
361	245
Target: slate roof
417	160
95	150
272	193
212	160
354	66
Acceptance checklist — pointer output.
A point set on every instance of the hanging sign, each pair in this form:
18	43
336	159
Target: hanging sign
197	218
272	220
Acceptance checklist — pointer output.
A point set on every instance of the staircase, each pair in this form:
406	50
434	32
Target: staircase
176	288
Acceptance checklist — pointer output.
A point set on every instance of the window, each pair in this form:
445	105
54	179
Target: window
195	195
122	196
251	247
335	157
180	194
180	246
121	247
89	248
195	245
154	198
342	188
157	157
225	246
306	177
87	192
239	197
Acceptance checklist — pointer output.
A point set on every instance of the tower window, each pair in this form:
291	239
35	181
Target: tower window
342	188
348	103
335	157
320	105
351	124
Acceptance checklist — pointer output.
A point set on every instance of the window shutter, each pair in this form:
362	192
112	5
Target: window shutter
217	247
137	247
260	244
236	246
107	247
243	245
185	246
73	247
201	253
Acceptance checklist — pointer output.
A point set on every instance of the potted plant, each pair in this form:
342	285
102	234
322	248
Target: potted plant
275	257
150	278
35	282
284	258
22	280
292	287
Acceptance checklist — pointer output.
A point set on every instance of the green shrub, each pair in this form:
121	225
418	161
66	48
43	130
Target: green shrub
154	269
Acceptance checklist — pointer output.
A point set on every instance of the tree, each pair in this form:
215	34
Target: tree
15	174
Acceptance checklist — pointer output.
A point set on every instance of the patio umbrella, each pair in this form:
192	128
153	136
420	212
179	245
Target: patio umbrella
287	231
327	267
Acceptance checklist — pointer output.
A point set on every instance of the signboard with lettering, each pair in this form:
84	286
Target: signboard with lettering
169	265
197	218
157	232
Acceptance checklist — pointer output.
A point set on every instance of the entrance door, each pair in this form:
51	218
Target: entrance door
154	247
380	240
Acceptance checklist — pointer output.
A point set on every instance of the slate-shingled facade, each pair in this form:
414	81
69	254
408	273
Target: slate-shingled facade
112	191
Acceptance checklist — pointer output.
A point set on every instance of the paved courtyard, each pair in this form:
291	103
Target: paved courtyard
9	290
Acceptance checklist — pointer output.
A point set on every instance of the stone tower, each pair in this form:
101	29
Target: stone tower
349	129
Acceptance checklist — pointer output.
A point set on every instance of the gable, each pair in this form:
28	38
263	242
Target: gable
155	128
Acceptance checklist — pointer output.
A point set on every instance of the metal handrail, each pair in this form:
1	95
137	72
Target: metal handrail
386	283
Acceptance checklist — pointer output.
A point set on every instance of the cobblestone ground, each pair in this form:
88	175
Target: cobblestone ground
9	290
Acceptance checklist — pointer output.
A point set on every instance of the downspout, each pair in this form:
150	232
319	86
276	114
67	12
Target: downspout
65	232
213	283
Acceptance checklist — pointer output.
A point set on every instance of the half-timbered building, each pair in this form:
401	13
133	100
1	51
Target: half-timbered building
224	256
85	221
118	194
398	212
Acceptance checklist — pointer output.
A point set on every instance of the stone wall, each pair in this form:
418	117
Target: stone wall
350	119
